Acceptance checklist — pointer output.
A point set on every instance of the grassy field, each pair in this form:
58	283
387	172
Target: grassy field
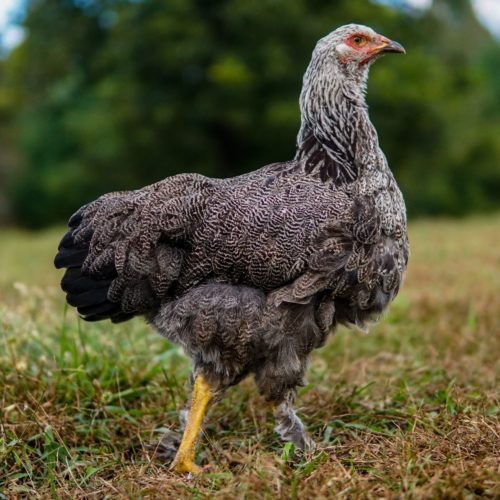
409	411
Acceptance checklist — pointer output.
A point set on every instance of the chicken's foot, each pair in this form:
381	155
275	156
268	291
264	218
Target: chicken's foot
201	397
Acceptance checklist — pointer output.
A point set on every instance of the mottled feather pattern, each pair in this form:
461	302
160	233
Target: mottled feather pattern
250	274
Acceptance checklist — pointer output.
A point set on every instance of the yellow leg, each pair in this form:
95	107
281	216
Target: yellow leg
184	459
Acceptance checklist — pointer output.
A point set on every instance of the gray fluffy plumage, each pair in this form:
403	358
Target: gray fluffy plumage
250	274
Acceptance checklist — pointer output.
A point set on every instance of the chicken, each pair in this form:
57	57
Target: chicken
250	274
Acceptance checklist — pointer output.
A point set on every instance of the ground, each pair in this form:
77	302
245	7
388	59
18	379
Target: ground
409	411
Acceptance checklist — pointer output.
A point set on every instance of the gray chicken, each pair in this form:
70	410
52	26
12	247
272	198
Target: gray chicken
250	274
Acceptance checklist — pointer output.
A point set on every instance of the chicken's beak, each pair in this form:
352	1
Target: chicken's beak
387	45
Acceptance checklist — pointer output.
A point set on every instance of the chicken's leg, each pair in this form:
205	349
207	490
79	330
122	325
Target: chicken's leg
289	426
184	459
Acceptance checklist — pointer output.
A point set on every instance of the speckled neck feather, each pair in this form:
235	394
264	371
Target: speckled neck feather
336	137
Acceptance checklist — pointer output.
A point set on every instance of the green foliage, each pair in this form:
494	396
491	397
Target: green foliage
114	94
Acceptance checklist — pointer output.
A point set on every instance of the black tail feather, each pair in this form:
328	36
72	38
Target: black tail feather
70	257
77	217
106	308
115	318
89	294
67	241
82	284
88	298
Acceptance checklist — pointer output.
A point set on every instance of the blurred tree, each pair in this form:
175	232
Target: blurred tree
114	94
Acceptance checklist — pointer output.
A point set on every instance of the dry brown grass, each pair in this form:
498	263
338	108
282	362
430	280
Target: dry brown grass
409	411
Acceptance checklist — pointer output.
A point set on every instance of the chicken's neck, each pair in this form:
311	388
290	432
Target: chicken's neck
336	140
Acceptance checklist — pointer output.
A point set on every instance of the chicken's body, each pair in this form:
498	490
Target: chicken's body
250	274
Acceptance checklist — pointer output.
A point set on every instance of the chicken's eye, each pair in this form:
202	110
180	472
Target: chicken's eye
359	40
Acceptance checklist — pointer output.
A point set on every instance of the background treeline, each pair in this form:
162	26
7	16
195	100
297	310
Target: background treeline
114	94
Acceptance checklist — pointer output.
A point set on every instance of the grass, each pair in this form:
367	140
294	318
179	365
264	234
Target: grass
409	411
